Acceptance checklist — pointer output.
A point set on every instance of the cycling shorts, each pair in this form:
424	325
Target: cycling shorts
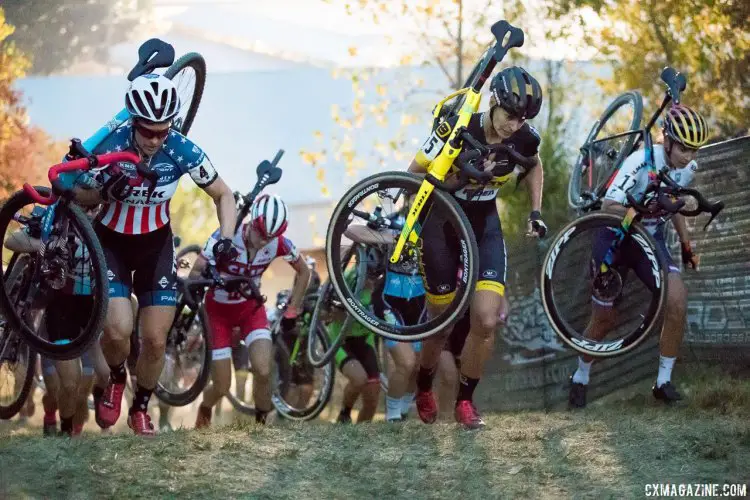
439	258
360	349
142	262
249	316
630	256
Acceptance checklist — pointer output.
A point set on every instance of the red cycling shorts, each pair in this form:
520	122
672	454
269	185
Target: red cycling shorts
248	316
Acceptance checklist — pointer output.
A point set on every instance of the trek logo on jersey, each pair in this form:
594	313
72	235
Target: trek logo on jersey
139	196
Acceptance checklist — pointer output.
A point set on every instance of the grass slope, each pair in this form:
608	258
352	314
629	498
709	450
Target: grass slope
610	450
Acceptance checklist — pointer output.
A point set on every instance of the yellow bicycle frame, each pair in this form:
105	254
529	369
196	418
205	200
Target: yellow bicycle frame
438	167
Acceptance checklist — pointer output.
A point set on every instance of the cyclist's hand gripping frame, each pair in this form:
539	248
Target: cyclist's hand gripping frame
507	36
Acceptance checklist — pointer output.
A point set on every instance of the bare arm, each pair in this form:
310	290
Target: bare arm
535	183
301	283
416	168
680	225
226	209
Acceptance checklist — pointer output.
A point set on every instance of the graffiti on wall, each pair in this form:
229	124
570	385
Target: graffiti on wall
528	336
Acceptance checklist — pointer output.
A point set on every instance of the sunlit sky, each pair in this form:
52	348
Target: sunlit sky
324	31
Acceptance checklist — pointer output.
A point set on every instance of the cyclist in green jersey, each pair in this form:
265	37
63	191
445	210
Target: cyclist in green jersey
357	358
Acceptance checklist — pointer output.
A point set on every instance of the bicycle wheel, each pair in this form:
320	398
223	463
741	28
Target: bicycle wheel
600	157
186	259
189	75
354	259
603	314
394	190
187	359
17	360
293	373
72	262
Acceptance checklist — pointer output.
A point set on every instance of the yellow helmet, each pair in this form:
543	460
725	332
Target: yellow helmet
686	126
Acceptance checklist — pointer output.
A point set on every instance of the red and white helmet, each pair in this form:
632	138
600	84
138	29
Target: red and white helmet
269	216
152	97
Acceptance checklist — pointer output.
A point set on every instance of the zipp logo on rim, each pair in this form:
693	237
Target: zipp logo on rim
556	250
651	257
605	347
359	195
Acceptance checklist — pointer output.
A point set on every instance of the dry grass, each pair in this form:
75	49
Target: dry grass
610	450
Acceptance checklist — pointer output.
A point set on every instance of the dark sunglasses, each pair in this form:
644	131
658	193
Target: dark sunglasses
147	133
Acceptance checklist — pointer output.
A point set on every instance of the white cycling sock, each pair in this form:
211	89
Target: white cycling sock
392	408
665	370
581	375
406	402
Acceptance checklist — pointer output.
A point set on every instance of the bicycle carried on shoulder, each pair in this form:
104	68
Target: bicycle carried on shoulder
371	199
608	244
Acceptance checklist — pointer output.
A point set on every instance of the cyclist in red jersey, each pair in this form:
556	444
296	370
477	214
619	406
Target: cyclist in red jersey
257	243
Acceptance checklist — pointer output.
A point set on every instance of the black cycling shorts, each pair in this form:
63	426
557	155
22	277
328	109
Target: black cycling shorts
439	258
144	263
67	315
360	349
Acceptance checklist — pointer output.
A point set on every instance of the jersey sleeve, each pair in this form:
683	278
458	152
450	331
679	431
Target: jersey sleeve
532	141
192	160
435	142
631	178
208	249
287	250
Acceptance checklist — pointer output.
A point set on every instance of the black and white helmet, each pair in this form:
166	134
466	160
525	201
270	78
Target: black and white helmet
516	91
152	97
269	216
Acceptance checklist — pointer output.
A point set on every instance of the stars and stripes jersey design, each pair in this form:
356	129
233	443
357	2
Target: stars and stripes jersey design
140	213
242	266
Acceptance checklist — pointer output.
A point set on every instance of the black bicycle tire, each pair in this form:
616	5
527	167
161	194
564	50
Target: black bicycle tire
9	411
325	396
315	322
284	410
190	395
195	61
403	333
652	318
623	99
79	345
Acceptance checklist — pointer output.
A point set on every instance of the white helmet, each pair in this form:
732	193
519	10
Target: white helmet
152	97
269	216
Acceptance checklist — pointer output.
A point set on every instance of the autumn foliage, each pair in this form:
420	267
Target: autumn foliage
25	150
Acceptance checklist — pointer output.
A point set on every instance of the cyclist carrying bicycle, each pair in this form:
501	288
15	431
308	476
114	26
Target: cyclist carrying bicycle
357	358
515	97
685	131
255	245
136	236
67	382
